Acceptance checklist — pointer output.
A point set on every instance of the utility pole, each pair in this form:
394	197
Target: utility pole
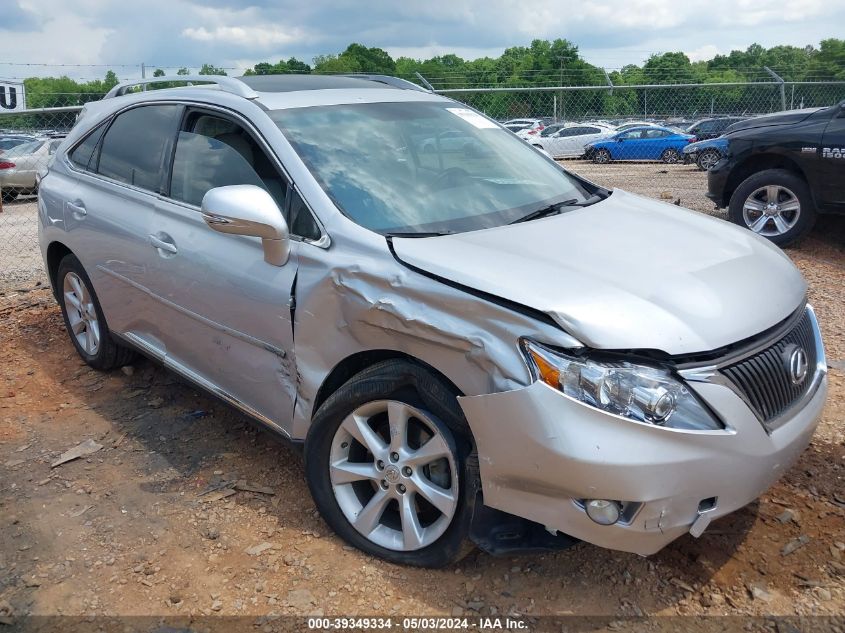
143	75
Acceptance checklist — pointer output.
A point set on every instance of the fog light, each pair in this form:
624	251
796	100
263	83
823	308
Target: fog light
602	511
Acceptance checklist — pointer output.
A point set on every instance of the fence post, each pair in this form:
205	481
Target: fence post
782	83
609	83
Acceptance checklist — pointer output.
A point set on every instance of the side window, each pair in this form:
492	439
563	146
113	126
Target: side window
81	156
591	130
134	145
214	152
301	222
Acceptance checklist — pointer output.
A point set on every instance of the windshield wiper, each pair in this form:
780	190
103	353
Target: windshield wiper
557	207
419	234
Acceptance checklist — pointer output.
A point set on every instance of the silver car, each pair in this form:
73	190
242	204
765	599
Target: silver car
20	164
471	348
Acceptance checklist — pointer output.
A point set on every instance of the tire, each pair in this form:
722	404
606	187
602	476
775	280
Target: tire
602	156
101	352
670	156
9	195
707	159
380	396
795	209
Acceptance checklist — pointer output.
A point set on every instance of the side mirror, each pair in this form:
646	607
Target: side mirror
249	210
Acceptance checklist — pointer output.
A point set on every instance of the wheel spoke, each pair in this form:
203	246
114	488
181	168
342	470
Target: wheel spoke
94	329
89	341
790	205
772	192
412	530
77	325
77	287
369	516
436	448
345	472
755	205
781	224
358	428
759	224
442	499
397	416
73	300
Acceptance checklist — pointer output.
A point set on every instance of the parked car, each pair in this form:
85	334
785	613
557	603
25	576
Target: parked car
497	351
629	125
568	141
781	170
712	128
523	125
20	164
640	143
8	141
707	153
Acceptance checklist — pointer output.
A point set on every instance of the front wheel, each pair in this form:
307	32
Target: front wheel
707	159
670	156
601	156
385	460
775	204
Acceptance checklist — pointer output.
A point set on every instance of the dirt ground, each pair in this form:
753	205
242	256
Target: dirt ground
128	531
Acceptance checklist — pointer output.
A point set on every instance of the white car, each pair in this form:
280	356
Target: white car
627	125
19	165
523	127
569	140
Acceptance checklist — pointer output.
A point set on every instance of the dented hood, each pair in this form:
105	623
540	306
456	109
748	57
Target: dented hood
625	273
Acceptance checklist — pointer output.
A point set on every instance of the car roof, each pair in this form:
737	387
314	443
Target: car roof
275	92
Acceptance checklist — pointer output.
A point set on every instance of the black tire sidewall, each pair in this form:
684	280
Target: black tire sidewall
403	381
787	179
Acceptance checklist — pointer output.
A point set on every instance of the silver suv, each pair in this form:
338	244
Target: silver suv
473	344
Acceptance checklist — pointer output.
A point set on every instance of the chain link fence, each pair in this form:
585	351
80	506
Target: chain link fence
633	137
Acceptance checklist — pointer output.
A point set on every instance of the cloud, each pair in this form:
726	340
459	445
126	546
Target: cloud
234	33
17	18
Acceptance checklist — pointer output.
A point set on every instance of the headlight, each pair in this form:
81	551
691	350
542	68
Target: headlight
639	392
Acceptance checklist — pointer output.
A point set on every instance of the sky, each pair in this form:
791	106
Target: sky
82	38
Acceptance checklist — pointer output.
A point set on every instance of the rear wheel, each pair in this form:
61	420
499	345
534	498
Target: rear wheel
601	156
775	204
385	461
707	159
84	318
670	156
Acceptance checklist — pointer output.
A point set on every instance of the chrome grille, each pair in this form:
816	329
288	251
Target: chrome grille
765	379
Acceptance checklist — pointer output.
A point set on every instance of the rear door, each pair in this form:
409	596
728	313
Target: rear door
832	164
226	312
108	212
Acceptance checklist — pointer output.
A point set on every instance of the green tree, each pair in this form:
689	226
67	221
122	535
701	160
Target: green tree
210	69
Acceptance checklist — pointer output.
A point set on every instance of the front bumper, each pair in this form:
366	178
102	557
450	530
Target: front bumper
541	451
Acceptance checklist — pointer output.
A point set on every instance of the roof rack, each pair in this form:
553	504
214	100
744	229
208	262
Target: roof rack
227	84
248	87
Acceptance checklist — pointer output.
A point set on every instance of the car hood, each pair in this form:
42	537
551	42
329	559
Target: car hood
719	143
776	118
625	273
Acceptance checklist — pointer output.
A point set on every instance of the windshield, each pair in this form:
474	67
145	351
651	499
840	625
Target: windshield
25	148
422	167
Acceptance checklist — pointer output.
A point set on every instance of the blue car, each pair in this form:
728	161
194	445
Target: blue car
706	153
640	143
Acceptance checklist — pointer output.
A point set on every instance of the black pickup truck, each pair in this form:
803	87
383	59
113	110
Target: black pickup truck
782	169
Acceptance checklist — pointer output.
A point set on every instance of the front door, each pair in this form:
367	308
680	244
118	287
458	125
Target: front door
832	178
228	312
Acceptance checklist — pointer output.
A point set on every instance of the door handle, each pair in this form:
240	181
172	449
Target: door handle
77	209
163	245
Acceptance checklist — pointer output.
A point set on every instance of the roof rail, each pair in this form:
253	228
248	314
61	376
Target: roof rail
396	82
227	84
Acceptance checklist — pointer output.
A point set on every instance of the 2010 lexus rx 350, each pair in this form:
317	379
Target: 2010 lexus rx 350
471	346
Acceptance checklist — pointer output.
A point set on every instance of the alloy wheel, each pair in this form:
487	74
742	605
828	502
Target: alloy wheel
81	313
393	473
708	159
671	156
771	211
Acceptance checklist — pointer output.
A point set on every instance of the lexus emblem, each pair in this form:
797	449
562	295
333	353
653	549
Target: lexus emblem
797	365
